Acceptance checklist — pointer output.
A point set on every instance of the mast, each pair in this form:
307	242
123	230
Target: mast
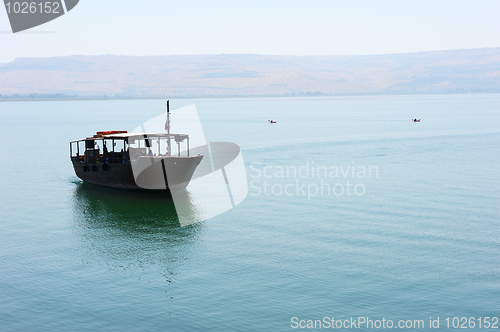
168	130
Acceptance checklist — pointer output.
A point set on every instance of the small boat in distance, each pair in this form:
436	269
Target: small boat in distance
271	121
125	160
415	120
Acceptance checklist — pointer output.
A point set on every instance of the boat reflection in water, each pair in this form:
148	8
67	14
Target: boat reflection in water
132	228
128	208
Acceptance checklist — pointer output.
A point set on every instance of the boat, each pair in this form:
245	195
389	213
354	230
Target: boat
125	160
415	120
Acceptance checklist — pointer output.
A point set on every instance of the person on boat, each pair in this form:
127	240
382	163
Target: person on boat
150	153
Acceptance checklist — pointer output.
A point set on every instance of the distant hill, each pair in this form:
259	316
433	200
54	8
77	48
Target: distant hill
458	71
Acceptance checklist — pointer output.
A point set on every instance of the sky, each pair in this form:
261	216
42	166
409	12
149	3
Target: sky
274	27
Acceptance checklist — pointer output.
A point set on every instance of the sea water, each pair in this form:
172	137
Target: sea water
353	211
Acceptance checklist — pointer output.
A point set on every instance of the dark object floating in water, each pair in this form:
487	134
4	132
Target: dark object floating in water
415	120
271	121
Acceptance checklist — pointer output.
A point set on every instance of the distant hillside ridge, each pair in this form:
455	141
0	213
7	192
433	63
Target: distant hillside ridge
110	76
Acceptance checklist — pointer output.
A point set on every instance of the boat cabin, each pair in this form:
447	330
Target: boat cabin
119	147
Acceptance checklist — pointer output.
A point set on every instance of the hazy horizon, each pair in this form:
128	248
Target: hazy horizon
257	54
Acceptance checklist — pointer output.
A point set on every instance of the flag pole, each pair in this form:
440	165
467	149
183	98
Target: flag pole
168	129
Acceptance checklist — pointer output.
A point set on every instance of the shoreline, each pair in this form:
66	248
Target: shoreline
305	95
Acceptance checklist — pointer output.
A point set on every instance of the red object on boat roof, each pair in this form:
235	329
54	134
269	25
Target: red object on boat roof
109	132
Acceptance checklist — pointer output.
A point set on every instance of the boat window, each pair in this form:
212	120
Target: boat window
108	143
77	148
73	149
134	143
99	145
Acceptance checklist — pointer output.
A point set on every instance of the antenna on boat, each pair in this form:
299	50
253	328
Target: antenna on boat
168	129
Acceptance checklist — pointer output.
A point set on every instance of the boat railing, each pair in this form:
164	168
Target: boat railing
130	146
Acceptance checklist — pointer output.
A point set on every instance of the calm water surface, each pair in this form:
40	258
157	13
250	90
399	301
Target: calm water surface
418	237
